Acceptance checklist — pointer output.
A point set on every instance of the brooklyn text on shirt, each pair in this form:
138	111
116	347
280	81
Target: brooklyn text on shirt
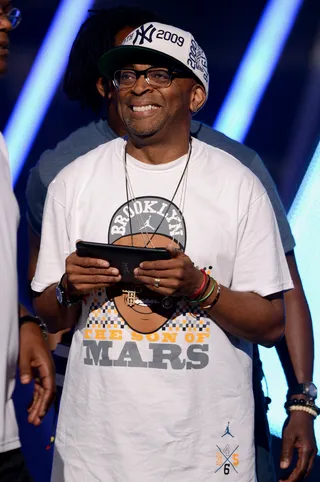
154	209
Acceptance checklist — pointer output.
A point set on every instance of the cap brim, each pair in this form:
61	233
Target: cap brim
119	57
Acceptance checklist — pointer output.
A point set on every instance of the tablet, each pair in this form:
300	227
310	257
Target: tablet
124	258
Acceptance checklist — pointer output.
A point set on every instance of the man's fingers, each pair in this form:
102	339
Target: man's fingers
174	251
83	271
85	287
163	275
49	388
161	265
46	400
172	283
310	464
286	452
25	369
77	280
166	287
34	413
85	262
35	398
300	470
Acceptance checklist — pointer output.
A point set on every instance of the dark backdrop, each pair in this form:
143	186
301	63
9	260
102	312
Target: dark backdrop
223	28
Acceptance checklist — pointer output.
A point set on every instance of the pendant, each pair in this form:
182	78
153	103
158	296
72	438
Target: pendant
167	303
130	297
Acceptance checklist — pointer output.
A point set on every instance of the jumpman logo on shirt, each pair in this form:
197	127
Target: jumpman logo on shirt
147	224
227	432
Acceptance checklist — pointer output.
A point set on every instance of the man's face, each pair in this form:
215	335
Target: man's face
146	111
5	27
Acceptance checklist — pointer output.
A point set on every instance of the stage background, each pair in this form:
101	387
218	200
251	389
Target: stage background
284	131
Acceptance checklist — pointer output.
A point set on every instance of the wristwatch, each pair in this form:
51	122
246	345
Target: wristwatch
308	389
63	297
38	321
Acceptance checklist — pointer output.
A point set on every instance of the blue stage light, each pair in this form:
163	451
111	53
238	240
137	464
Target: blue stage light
256	68
42	81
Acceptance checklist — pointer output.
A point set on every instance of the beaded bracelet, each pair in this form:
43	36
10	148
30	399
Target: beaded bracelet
216	299
299	403
297	408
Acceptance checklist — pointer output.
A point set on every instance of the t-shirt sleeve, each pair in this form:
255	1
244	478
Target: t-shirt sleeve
55	246
259	169
36	195
260	265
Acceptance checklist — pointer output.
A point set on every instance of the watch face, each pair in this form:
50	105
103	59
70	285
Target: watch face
312	390
59	295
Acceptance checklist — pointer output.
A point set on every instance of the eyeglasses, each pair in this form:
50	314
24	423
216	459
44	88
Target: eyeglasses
157	78
13	15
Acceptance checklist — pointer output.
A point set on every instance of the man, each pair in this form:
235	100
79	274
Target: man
99	33
34	354
158	369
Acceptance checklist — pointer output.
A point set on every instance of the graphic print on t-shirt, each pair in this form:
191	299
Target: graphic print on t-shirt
147	330
147	222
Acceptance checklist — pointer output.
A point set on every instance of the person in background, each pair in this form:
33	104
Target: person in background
35	362
84	83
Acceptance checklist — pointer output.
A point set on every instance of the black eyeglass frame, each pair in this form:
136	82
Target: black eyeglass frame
173	74
11	15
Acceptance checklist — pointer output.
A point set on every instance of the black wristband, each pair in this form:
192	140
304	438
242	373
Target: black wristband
36	320
302	403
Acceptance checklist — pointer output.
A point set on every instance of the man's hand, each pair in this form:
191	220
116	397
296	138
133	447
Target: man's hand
298	433
178	275
86	274
35	362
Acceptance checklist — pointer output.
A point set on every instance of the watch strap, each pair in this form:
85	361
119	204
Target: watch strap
36	320
64	299
301	389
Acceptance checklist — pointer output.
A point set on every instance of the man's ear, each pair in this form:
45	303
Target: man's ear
104	87
198	98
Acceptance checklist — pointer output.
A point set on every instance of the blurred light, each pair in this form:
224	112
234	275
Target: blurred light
304	218
256	68
43	79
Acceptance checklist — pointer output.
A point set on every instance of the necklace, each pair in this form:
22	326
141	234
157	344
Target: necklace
130	294
129	186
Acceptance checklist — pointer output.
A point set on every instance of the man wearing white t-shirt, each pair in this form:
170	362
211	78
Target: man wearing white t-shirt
158	384
34	353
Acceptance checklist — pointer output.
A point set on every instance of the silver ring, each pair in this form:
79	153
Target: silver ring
156	283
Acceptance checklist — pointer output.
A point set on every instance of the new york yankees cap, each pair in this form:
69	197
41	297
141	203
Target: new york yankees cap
156	40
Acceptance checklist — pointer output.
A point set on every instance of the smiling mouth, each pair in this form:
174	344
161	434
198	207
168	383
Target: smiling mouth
144	108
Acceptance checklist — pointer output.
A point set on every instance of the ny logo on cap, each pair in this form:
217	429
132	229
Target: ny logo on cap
145	34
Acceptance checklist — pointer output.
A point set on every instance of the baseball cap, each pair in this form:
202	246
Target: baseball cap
156	40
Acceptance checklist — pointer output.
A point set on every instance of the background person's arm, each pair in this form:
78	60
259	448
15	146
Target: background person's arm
35	196
296	353
299	334
35	363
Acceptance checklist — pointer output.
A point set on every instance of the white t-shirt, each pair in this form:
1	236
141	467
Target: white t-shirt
9	339
175	404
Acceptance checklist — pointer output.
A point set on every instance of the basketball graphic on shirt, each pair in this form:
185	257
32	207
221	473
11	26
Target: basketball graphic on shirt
151	222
